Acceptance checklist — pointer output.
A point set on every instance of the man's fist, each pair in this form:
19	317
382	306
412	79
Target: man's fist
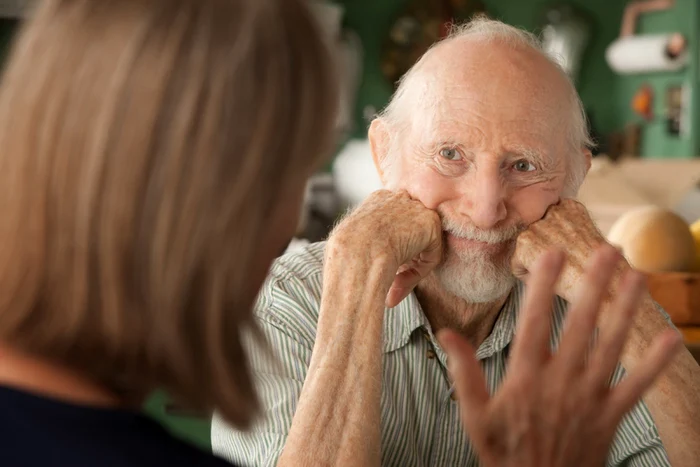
391	226
568	227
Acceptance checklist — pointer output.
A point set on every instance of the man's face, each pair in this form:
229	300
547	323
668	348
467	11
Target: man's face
490	159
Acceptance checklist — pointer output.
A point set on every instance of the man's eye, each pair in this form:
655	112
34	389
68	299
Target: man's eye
450	154
524	166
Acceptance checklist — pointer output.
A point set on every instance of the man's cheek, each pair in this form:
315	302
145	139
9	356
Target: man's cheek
429	189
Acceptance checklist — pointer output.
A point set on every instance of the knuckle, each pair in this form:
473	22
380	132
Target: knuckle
577	204
434	216
529	235
379	194
402	195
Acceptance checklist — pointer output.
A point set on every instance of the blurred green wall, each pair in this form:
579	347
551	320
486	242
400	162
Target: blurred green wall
656	143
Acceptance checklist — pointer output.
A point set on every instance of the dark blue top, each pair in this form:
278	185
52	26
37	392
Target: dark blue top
40	432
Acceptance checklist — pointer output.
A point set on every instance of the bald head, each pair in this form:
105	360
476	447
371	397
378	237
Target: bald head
496	66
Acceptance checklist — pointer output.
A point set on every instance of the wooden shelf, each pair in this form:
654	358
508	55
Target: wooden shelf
679	294
691	336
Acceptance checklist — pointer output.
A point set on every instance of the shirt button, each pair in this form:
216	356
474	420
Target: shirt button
431	354
453	396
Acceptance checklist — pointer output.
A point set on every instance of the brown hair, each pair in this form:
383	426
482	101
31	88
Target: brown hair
143	144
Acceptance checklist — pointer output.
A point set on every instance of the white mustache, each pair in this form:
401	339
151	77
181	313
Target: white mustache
471	232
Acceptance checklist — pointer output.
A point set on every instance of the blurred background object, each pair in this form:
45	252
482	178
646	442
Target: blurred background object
639	53
565	35
419	26
354	172
642	102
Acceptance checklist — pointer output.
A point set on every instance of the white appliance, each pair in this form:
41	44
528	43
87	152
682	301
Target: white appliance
354	173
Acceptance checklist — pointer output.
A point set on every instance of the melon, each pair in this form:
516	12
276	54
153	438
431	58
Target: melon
654	239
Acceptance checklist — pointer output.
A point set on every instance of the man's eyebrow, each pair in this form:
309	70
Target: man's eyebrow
430	145
530	153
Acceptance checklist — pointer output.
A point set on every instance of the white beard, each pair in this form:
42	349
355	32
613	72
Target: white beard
475	275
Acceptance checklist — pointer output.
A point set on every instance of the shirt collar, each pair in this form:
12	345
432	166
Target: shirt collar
504	327
401	321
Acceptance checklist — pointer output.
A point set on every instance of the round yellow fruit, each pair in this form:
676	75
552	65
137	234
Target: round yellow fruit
654	239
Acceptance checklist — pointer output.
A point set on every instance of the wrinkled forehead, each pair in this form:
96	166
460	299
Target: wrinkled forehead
504	90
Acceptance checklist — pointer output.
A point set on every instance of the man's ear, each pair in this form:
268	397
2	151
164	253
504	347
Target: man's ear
379	142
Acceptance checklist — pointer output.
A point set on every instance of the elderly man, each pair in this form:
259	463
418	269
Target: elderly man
487	132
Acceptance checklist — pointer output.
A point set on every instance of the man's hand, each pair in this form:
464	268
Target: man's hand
674	401
338	415
558	410
393	227
568	227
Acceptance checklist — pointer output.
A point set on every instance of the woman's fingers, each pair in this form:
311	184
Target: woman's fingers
531	342
468	378
626	394
612	338
581	320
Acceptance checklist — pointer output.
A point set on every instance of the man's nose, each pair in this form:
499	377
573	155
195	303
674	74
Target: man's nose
484	198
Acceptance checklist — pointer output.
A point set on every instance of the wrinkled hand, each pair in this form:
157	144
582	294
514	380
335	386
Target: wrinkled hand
391	225
557	410
568	227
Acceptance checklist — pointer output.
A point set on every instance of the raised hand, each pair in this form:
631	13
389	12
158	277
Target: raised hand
558	409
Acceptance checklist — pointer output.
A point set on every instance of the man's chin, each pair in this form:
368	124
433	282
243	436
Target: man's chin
476	281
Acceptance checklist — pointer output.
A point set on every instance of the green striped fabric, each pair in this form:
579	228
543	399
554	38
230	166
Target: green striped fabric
420	420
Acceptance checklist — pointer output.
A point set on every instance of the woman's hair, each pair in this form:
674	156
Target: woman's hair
143	146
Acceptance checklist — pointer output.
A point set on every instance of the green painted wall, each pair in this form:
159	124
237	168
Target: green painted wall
695	79
371	19
655	140
196	430
606	95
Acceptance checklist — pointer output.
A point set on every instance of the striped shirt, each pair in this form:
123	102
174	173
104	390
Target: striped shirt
420	419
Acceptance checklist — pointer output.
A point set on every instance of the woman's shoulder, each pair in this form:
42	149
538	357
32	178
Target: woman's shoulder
36	431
